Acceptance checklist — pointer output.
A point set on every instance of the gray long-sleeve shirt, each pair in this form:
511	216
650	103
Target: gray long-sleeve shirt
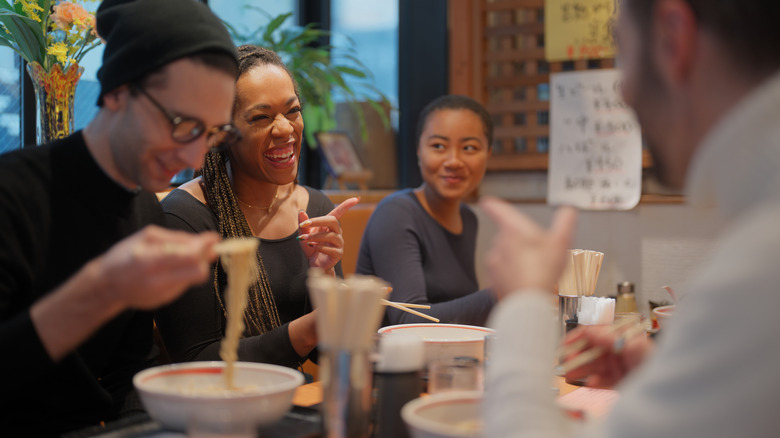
424	263
715	370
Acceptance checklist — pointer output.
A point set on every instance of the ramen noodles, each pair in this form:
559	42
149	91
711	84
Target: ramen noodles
238	259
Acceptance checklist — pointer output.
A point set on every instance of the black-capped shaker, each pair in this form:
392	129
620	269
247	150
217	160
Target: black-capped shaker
397	379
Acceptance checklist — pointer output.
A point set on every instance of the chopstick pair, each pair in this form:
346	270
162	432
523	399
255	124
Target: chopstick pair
241	244
406	307
594	353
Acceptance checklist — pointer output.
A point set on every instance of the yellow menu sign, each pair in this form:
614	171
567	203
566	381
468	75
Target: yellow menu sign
578	29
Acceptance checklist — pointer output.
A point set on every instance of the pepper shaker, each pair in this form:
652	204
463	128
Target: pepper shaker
397	379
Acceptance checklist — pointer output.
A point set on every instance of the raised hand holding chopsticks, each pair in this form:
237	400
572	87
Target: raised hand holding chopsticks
607	353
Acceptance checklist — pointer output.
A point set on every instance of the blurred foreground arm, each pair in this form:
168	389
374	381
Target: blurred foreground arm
524	264
144	271
525	256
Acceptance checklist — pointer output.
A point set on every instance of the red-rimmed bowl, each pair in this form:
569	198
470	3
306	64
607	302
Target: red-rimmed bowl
445	415
178	395
663	314
446	341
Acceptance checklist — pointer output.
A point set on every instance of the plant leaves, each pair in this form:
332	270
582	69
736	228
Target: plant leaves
274	24
321	72
30	45
351	71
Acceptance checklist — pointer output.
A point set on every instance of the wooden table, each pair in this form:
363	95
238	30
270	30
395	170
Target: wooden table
311	394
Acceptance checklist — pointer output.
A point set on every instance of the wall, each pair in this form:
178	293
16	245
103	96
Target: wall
652	245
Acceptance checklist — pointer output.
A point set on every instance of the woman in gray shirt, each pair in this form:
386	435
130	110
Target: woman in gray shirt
422	240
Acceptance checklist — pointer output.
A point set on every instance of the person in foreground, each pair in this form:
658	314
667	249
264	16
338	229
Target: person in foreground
74	320
704	79
422	241
251	189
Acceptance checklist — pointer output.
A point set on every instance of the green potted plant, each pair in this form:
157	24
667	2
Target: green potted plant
320	71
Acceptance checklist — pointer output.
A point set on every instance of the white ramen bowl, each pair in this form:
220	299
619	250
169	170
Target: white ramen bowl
445	415
180	394
446	341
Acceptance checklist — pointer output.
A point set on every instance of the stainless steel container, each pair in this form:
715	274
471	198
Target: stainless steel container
567	311
346	398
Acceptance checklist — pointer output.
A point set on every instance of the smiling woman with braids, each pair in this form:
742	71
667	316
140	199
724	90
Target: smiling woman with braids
252	190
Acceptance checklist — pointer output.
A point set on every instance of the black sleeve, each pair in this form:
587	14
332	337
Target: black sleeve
192	327
23	237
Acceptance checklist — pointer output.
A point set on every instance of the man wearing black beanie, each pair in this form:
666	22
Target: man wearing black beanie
74	320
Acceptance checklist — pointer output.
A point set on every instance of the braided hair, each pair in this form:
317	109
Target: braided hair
261	314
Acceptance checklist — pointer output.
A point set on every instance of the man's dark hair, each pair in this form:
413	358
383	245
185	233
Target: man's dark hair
748	29
456	102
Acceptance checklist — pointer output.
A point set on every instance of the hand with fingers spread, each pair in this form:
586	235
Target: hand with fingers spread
611	367
524	255
321	237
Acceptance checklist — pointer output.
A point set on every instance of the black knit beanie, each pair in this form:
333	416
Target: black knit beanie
141	36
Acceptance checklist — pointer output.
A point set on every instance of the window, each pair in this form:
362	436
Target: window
10	102
85	106
236	14
373	27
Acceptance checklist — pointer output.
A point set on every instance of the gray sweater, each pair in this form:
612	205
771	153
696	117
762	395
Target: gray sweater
714	372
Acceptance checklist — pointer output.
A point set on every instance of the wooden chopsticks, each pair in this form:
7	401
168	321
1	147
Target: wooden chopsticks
406	307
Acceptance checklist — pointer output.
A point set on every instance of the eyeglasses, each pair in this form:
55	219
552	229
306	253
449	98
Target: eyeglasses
187	129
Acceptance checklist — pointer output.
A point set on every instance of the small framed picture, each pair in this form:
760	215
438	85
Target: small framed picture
339	153
344	164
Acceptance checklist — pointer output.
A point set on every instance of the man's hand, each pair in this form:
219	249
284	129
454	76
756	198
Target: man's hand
611	367
155	265
524	255
144	271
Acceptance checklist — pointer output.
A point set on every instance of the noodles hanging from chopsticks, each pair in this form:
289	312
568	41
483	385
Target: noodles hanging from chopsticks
238	259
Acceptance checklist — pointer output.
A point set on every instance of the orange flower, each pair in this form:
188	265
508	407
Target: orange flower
67	14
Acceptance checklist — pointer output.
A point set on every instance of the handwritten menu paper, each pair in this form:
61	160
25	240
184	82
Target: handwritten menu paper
578	29
595	143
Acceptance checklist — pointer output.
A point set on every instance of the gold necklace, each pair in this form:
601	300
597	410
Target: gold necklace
276	195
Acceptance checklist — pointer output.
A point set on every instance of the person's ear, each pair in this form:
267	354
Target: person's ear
674	34
116	98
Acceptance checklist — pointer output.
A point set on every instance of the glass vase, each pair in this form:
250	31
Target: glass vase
55	91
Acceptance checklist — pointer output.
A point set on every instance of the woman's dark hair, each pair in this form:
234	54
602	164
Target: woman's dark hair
250	56
456	102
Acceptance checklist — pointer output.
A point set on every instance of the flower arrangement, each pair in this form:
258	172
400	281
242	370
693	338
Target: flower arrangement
49	32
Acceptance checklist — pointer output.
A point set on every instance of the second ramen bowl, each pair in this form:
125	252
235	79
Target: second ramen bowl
446	415
446	341
192	395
